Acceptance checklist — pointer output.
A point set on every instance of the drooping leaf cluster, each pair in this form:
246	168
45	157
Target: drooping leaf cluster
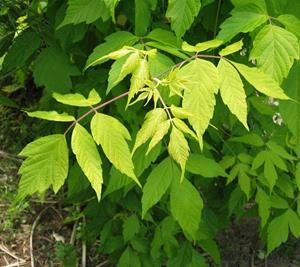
164	120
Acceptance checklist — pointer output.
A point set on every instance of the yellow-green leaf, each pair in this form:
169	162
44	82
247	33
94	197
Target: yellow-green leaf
139	77
275	49
161	130
181	125
111	135
46	165
51	116
201	46
230	49
179	148
121	68
78	100
202	83
88	157
152	119
261	81
232	91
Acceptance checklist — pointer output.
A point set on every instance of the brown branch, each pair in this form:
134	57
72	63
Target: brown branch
95	109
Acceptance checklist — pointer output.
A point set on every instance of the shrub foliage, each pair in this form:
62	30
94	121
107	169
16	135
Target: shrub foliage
165	118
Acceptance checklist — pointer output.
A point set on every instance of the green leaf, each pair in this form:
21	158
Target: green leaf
139	77
159	64
211	247
53	69
249	139
270	173
294	222
126	50
279	150
24	46
244	182
158	183
86	11
116	181
201	46
230	49
202	83
88	157
51	116
243	19
129	259
291	23
206	167
111	135
290	110
260	3
186	206
278	231
275	49
179	148
111	6
297	175
143	15
46	165
232	91
152	119
167	48
165	37
131	227
5	101
121	68
78	100
261	81
113	42
264	205
182	14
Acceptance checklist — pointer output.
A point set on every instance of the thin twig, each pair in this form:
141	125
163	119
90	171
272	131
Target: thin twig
5	259
102	264
32	232
16	264
7	155
5	249
73	235
83	258
217	18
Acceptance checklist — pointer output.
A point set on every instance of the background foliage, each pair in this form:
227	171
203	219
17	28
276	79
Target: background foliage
163	119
